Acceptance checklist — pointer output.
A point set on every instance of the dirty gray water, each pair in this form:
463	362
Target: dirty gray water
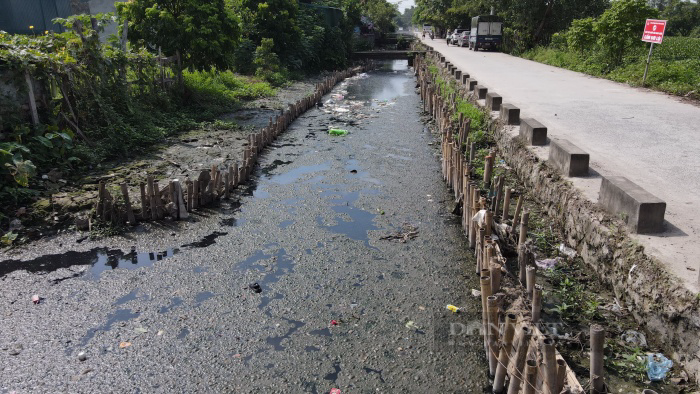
333	301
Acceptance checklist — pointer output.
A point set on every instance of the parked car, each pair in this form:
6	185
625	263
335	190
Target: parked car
463	39
452	38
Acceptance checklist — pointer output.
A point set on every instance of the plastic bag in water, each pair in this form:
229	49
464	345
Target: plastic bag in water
658	366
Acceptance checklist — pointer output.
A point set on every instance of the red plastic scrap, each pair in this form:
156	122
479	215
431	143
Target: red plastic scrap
334	323
335	391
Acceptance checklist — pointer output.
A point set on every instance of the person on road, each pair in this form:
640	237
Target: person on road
447	36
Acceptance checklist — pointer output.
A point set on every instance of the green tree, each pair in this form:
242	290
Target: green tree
382	14
682	18
580	35
204	32
275	19
620	28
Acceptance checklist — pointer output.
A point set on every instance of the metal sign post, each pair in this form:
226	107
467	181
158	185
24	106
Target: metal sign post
646	69
654	34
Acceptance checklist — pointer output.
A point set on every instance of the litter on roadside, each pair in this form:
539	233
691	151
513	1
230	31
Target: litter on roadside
658	366
452	308
476	293
547	263
36	299
567	251
334	322
337	132
335	391
634	337
411	325
123	345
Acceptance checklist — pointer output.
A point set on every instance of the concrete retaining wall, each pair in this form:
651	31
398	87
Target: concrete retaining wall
657	299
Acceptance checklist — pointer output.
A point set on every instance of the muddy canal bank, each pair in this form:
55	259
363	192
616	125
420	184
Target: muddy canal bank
338	306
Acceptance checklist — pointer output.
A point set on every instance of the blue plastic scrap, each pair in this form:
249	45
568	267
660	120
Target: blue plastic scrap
658	366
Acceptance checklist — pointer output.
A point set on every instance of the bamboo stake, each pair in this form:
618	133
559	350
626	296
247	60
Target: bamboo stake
196	187
152	196
537	304
531	377
530	280
550	367
504	355
597	341
159	202
495	270
485	283
523	228
520	355
144	202
190	197
561	375
487	172
518	207
499	194
488	222
127	205
492	305
32	99
506	205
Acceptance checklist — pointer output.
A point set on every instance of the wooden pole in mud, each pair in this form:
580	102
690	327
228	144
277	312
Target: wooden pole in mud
522	238
530	278
485	283
195	194
550	366
597	342
127	205
536	304
561	375
504	355
506	205
144	202
531	377
152	197
520	356
492	305
190	197
518	208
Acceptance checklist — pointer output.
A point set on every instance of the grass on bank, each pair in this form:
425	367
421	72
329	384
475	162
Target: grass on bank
674	68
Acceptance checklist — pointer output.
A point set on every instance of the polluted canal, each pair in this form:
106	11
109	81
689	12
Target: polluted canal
331	269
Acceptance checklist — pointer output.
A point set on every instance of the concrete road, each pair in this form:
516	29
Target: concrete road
651	138
338	306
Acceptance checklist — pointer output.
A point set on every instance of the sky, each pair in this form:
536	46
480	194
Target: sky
403	4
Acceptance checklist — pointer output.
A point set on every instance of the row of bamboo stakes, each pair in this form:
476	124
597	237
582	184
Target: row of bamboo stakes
177	199
521	358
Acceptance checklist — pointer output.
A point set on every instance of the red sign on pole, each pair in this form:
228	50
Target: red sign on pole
654	31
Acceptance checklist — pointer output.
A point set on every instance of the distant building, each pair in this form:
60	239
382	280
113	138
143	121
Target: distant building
34	16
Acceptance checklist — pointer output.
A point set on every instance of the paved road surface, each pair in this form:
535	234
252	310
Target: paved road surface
308	231
651	138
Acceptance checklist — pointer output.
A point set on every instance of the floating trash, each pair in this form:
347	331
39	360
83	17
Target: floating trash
337	132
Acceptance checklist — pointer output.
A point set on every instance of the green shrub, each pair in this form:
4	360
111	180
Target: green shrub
581	36
618	29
